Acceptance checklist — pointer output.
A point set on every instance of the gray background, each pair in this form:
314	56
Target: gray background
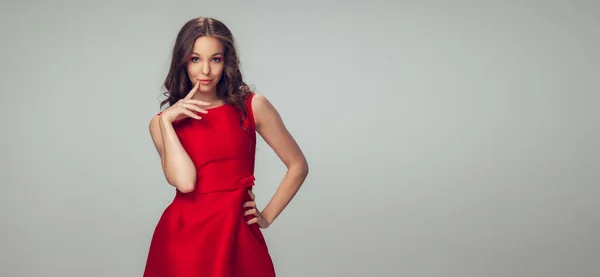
444	139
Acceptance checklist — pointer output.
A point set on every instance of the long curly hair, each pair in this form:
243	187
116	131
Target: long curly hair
231	88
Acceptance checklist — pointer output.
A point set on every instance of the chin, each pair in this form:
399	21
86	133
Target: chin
206	89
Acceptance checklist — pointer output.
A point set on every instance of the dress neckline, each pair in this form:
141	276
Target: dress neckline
216	107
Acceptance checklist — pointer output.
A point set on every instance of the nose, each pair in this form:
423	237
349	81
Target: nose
206	68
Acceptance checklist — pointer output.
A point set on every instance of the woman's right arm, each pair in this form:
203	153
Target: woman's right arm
177	165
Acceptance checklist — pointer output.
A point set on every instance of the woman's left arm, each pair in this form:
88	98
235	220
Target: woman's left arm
271	128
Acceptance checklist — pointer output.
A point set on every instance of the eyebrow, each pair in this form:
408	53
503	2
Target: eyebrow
215	54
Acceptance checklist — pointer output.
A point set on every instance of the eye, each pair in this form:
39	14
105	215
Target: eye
195	59
217	60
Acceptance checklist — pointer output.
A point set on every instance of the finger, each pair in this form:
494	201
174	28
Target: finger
197	102
251	195
250	204
191	114
194	108
252	221
251	211
194	89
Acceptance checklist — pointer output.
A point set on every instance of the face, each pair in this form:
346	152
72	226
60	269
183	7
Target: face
206	63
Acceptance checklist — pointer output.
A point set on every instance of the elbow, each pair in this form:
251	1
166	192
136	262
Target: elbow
184	185
301	169
185	188
305	169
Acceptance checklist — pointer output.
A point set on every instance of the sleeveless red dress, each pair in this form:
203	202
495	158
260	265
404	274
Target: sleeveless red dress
204	233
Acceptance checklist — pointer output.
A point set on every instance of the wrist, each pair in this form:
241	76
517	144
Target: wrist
268	217
165	119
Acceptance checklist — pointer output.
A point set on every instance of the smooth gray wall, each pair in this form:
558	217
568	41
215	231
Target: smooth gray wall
447	139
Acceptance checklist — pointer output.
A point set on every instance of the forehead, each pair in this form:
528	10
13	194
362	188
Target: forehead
206	45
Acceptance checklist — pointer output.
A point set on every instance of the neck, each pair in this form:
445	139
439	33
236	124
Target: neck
206	96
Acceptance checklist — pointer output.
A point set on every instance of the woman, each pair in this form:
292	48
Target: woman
206	141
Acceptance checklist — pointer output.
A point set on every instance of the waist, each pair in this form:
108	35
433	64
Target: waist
223	175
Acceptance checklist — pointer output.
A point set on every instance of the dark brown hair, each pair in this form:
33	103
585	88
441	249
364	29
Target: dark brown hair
231	88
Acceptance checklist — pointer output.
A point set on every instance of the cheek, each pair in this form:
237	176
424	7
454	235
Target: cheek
218	69
192	69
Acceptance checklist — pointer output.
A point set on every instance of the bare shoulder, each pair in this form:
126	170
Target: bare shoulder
260	103
264	111
155	133
154	125
271	127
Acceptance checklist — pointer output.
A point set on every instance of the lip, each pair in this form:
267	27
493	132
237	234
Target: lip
205	81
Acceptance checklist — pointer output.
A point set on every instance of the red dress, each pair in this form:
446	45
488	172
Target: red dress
204	233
